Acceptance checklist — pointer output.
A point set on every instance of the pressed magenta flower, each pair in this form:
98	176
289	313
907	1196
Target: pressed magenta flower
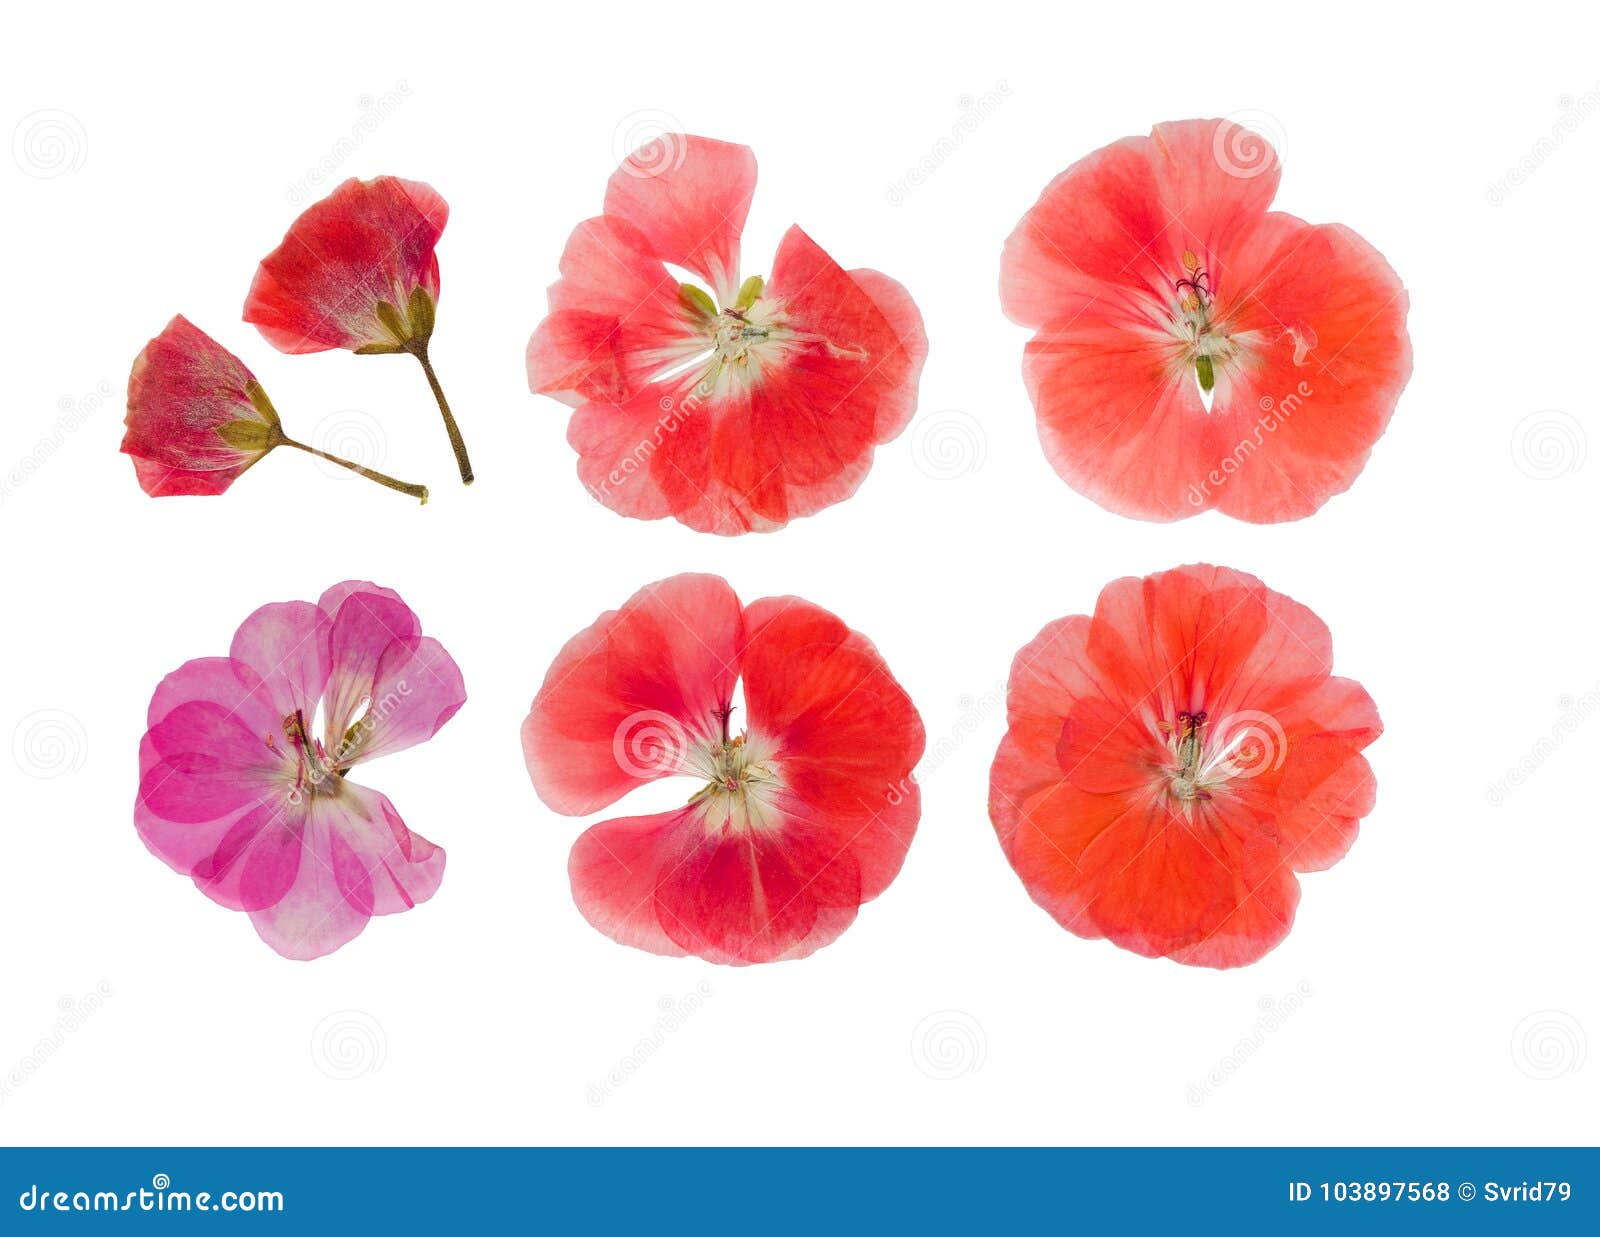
239	792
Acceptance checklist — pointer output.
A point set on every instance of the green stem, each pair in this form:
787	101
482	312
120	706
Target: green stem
457	443
419	492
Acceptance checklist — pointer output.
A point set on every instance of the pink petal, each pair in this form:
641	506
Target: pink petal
688	197
286	644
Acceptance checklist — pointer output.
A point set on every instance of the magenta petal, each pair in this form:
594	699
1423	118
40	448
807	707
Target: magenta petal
223	681
200	762
413	694
354	864
255	863
286	644
365	621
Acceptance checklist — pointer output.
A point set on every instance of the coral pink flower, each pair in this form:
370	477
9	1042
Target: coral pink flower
1172	762
732	409
237	792
197	418
357	270
800	818
1194	349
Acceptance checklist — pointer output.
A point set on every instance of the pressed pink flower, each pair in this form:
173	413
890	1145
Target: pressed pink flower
357	270
198	419
731	407
238	793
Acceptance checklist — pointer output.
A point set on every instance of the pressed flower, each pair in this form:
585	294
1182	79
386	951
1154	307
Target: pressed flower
357	270
240	792
1194	349
801	814
1170	763
733	406
197	418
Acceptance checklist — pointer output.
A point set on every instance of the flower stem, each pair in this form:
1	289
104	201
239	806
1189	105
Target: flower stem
419	492
457	443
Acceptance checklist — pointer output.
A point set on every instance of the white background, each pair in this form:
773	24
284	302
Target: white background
1439	982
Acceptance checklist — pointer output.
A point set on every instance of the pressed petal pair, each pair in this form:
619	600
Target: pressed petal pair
356	271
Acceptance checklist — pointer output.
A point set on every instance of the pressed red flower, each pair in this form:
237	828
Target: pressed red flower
1170	763
197	418
357	270
1193	349
237	791
732	407
803	814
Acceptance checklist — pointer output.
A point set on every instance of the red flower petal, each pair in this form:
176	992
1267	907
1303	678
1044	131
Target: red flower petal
184	388
1169	764
627	698
801	818
367	243
688	198
1156	251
